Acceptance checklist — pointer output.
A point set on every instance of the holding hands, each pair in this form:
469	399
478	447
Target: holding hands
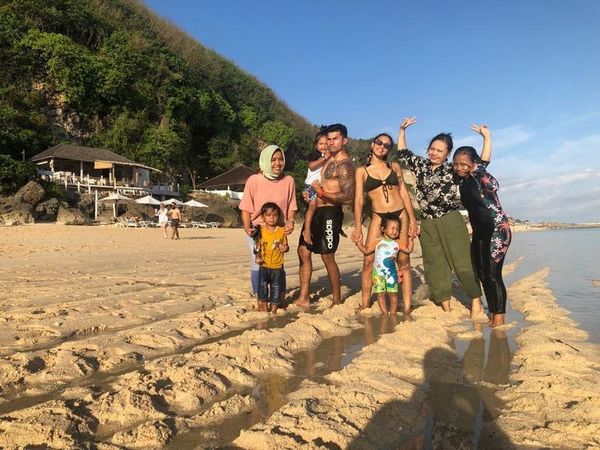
357	235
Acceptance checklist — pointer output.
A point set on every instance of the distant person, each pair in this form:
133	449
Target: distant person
272	244
490	224
163	219
316	160
336	188
385	277
175	219
270	185
384	185
444	236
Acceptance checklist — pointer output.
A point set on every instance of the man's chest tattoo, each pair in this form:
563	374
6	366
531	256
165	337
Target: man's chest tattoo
329	172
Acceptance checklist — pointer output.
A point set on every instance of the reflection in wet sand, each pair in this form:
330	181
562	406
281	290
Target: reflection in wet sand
271	393
463	396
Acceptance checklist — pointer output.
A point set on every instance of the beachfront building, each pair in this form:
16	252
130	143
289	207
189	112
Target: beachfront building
229	184
88	168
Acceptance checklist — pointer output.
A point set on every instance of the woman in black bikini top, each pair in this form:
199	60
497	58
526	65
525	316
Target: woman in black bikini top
382	182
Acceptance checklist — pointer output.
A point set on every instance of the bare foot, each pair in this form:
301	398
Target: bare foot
360	308
446	305
303	302
498	320
476	309
307	237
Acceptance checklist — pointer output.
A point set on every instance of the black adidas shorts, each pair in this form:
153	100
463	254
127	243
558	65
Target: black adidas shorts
325	230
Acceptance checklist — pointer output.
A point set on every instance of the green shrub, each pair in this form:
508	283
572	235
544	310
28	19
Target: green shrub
14	174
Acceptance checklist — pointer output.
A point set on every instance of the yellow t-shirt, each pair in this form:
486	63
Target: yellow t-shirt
271	255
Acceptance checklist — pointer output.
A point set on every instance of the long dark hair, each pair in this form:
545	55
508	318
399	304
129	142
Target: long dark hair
387	163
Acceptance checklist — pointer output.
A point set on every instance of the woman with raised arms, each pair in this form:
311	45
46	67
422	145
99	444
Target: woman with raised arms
444	237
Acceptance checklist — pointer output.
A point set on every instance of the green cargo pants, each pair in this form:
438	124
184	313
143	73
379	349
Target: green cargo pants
446	248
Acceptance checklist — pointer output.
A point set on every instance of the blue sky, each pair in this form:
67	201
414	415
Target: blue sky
528	69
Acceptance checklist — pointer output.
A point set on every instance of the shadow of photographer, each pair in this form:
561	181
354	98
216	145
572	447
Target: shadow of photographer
455	408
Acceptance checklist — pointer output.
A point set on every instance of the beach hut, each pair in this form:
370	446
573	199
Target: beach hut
229	184
97	167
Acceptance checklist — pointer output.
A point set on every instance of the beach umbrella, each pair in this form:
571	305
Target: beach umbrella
195	204
148	200
115	198
173	201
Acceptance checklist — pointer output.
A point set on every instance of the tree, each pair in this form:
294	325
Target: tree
14	174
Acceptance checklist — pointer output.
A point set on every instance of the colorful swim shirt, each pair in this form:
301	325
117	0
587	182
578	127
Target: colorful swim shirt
385	274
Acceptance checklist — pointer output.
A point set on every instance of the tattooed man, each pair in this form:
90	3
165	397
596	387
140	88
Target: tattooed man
335	189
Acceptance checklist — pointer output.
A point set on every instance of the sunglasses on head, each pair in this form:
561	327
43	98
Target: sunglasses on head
383	144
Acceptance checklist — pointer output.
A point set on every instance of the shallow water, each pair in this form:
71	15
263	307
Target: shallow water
573	258
331	355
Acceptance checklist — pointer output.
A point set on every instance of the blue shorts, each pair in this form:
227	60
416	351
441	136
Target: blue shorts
312	194
271	284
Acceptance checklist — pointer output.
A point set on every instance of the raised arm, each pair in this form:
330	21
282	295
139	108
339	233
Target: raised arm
406	122
486	151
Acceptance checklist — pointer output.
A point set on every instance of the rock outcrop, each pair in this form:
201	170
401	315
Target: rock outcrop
71	216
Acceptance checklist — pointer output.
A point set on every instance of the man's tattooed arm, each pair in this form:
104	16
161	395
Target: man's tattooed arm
346	181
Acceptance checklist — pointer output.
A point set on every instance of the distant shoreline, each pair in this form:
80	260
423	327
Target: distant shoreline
551	226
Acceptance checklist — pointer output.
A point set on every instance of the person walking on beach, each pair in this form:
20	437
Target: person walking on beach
335	189
175	219
272	244
444	236
384	185
491	228
270	185
316	160
385	277
163	219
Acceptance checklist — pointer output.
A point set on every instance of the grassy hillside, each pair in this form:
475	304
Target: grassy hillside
111	73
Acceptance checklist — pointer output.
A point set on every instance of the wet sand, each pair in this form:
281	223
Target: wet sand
118	338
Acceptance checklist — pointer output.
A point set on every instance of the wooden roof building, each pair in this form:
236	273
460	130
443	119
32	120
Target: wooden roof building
234	179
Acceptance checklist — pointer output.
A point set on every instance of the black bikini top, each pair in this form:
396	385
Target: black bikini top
386	185
373	183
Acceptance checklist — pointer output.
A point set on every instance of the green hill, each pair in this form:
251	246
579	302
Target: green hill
112	74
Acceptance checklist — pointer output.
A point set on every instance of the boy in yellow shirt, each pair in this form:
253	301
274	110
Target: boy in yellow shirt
272	244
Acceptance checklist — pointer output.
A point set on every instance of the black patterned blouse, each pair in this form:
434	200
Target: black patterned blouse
437	190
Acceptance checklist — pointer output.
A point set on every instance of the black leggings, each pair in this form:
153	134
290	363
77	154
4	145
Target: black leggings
488	271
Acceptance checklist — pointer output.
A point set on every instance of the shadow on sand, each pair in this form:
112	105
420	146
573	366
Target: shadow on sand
454	409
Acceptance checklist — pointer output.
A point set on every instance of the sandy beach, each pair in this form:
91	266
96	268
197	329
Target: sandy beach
118	338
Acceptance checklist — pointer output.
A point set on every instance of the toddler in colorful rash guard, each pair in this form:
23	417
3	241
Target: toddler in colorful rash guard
385	272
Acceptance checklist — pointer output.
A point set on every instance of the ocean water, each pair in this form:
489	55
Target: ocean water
573	256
